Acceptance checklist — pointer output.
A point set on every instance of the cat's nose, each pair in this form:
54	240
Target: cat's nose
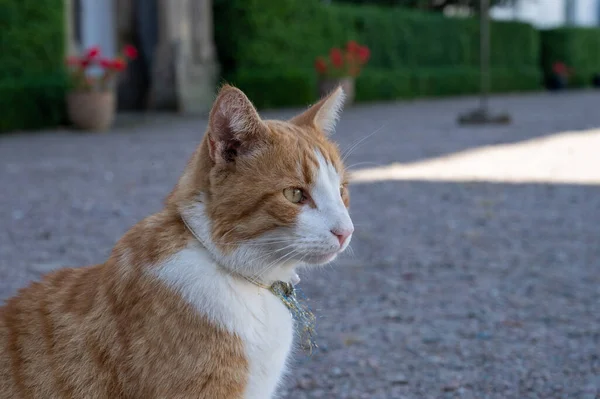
342	234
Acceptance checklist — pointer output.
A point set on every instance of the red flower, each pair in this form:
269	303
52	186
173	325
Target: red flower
559	68
106	63
92	53
363	54
130	52
321	65
351	57
119	64
352	46
85	62
337	59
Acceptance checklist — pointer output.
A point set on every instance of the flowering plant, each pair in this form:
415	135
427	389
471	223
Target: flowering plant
343	62
78	68
560	69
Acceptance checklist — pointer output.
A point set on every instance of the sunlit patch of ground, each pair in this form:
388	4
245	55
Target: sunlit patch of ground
569	157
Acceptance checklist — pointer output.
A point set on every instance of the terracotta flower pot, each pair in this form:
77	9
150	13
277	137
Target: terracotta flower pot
327	85
91	110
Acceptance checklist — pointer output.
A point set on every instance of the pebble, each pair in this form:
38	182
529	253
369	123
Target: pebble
452	386
306	383
398	379
394	315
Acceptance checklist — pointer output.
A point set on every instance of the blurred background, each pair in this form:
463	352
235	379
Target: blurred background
472	137
418	48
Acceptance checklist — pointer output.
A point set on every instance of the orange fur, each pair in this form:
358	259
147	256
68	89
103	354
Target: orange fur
109	331
112	330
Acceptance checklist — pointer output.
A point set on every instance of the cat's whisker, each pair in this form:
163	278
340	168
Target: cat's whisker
351	250
257	276
348	168
268	254
255	242
357	143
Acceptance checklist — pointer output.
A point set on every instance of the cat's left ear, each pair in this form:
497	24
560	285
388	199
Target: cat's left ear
235	128
325	114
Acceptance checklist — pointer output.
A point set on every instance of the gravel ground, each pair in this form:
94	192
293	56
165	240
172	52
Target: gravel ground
456	289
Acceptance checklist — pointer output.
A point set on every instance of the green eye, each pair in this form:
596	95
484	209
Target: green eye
294	195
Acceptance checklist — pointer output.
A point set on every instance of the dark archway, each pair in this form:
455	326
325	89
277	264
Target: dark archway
134	88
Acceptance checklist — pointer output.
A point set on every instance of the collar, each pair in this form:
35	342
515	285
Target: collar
232	273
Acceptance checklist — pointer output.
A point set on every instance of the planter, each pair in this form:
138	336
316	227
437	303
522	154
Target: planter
557	82
91	110
327	85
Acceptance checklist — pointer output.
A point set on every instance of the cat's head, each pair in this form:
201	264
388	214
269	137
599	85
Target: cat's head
267	195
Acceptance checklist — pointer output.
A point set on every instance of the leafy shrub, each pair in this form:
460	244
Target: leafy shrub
412	53
276	88
32	103
578	48
32	80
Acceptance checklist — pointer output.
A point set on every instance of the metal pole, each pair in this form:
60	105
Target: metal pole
570	8
482	114
484	53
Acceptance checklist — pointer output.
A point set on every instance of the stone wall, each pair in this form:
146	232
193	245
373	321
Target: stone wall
186	54
178	68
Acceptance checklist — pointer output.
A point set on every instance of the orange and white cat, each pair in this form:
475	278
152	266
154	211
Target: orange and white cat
180	308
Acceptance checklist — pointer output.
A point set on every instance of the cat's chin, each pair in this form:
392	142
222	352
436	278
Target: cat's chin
321	259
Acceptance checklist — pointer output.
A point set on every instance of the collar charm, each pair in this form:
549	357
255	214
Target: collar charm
304	318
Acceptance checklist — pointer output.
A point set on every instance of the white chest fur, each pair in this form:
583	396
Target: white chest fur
258	317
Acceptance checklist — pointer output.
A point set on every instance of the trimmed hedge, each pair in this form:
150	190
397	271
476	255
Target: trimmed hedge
578	48
300	87
31	104
276	88
269	48
32	76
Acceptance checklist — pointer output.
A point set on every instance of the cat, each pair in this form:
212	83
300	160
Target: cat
181	308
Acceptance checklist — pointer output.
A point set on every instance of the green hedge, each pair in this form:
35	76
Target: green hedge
578	48
32	78
300	87
276	88
31	104
392	85
265	46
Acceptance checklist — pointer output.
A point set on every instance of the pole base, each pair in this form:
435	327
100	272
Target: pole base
481	116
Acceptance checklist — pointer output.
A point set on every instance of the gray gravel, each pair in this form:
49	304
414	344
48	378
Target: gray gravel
455	290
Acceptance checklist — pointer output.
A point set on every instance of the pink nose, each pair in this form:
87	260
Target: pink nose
342	235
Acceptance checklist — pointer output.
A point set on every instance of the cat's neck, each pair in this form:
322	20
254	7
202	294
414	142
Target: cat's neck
162	235
243	260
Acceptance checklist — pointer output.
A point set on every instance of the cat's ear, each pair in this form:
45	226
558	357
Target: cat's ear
235	128
325	114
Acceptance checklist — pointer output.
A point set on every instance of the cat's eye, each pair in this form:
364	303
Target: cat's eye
294	195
